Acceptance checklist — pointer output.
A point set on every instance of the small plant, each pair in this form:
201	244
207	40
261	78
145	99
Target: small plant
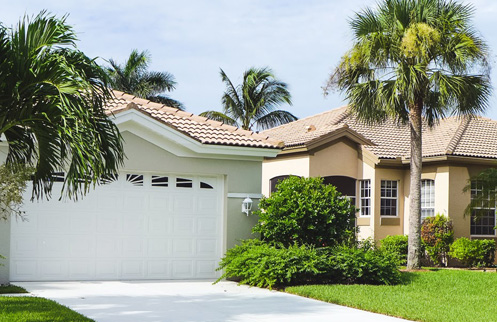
13	183
474	253
396	244
306	211
437	234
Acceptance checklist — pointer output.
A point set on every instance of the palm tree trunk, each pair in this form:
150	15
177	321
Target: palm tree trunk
414	253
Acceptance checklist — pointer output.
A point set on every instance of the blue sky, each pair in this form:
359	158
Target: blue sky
300	40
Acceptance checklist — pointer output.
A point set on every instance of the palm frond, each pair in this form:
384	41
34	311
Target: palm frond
220	117
275	118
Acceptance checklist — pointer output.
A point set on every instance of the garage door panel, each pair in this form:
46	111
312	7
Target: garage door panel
24	247
25	269
207	205
108	246
82	223
206	247
132	269
53	269
82	246
82	269
208	227
54	223
56	246
206	269
159	224
183	248
158	247
184	203
133	247
182	269
140	227
134	223
135	201
160	201
106	270
109	224
183	225
158	269
110	201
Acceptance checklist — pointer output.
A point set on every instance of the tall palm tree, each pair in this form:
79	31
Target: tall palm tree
133	77
52	113
416	61
254	103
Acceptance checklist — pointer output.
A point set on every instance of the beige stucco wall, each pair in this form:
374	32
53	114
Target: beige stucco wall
343	157
458	201
338	159
297	165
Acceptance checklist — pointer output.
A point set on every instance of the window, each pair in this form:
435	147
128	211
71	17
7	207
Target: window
135	179
274	181
388	206
427	198
483	217
184	183
160	181
365	197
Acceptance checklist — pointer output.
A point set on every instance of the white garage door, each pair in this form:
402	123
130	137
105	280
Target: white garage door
136	226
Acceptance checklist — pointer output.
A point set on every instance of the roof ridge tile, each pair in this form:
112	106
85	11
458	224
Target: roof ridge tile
456	138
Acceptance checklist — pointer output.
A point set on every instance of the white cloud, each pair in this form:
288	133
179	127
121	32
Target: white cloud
300	40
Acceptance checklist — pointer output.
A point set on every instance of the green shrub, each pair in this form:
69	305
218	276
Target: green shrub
305	211
474	253
355	265
437	234
260	264
257	263
396	244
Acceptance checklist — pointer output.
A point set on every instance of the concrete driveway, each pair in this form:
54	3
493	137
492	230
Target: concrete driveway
187	301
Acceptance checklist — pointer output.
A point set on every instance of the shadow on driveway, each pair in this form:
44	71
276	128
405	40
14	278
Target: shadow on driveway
193	301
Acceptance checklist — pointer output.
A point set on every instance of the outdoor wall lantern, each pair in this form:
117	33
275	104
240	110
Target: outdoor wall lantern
247	205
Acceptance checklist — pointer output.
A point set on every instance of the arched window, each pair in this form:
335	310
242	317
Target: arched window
274	181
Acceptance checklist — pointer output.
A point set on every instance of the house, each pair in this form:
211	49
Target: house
370	164
170	214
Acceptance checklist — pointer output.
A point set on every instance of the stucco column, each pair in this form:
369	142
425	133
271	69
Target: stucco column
4	250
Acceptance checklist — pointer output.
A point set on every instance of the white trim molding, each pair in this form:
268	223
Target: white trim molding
245	195
181	144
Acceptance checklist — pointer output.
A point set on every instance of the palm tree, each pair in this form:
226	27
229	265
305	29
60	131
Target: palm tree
254	103
416	61
134	78
52	113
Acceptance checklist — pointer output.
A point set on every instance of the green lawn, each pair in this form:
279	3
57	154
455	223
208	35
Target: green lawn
11	289
30	309
433	296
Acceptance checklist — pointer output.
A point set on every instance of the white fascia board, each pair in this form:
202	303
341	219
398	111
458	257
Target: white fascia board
182	145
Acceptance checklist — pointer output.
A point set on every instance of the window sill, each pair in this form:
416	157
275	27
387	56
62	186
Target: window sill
390	221
483	236
363	221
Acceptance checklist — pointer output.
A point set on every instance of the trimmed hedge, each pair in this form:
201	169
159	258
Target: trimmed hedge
261	264
474	253
396	244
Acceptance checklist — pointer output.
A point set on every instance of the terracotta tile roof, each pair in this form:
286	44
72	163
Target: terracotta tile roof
476	137
197	127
